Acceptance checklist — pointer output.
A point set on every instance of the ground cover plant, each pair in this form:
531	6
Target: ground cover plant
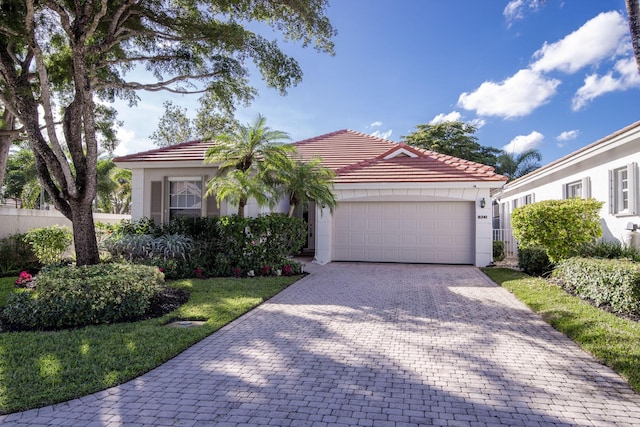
612	340
42	368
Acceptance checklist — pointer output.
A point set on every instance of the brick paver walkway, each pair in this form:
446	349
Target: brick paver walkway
370	345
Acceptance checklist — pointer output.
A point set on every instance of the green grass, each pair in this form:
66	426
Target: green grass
41	368
612	340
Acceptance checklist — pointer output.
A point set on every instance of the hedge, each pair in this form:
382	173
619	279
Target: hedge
606	282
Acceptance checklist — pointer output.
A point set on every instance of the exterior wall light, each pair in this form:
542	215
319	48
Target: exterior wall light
483	203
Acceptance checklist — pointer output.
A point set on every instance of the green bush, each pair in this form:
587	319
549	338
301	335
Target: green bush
560	227
534	261
609	250
78	296
615	283
498	250
214	246
16	255
49	243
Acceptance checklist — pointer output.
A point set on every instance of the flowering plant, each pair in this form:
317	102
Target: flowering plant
264	271
24	279
199	273
287	270
236	272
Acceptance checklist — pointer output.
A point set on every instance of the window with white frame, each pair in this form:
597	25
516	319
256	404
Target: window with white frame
573	190
185	197
527	200
514	204
623	188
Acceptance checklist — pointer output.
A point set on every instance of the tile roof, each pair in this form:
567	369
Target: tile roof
192	150
356	158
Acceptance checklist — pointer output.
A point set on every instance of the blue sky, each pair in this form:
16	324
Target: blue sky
554	75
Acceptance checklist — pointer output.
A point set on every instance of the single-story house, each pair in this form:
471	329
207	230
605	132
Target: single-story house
396	203
606	170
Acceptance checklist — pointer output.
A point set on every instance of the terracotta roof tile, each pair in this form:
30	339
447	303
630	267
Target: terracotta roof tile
192	150
355	157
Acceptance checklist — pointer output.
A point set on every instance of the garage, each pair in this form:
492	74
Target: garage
411	232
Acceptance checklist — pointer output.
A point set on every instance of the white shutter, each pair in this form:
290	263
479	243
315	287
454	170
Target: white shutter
612	192
632	176
564	192
586	188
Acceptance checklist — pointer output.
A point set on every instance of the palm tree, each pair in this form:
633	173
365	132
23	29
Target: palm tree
122	193
303	182
248	149
514	166
237	187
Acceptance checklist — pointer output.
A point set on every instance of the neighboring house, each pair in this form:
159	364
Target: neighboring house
396	203
606	170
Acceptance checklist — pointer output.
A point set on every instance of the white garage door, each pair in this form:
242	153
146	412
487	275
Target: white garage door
427	232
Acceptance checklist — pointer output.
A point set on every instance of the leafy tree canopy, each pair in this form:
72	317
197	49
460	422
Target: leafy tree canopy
453	138
57	58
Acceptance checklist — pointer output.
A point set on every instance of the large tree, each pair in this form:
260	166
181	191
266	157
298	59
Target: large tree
58	57
175	126
454	138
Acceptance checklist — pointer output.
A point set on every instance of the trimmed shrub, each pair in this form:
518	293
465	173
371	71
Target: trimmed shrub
77	296
560	227
49	243
217	246
498	250
534	261
16	255
615	283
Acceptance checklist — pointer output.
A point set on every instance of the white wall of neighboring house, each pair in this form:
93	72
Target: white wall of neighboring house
593	171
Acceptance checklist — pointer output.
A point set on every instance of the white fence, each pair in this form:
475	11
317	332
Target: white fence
18	221
510	245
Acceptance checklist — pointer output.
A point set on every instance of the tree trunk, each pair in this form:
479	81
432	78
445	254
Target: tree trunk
633	10
241	204
6	139
84	234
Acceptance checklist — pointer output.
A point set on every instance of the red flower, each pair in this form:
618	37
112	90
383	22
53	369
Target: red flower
287	270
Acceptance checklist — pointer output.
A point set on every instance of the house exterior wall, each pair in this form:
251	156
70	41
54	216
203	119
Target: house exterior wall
410	192
591	169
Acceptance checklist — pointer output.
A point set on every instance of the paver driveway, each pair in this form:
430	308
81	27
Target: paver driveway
370	344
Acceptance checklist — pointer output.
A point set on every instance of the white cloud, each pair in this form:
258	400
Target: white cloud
383	135
624	76
478	122
568	135
515	96
605	36
453	116
129	143
515	9
523	143
375	124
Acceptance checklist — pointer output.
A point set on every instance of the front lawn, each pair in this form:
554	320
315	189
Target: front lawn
41	368
612	340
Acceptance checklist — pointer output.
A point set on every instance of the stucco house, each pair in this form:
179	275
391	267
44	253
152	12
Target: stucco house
396	203
606	170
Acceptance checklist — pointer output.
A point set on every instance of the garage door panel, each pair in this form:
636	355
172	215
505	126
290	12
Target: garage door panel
427	232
